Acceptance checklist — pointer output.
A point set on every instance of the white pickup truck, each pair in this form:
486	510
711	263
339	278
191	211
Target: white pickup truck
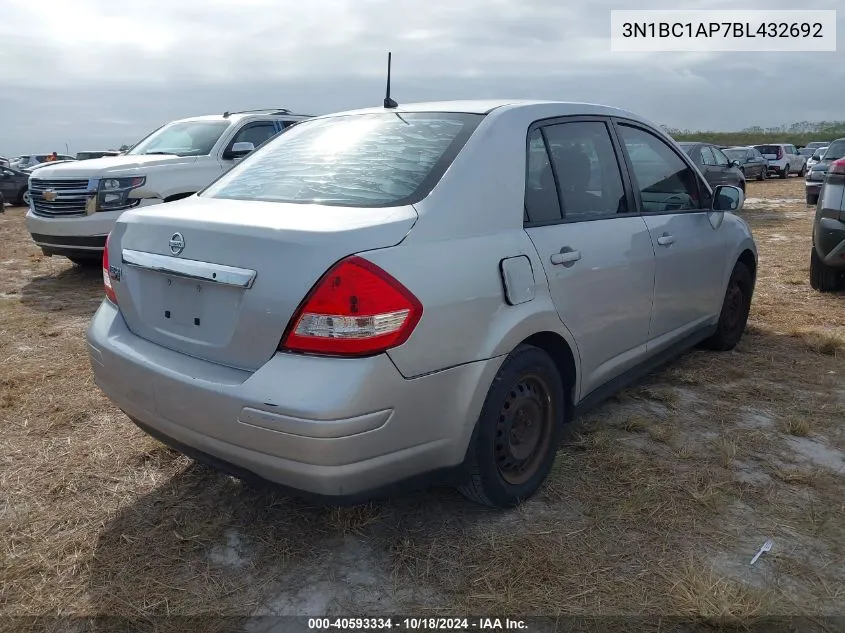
73	206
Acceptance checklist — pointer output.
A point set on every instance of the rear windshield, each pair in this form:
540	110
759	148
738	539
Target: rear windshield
767	149
835	150
358	160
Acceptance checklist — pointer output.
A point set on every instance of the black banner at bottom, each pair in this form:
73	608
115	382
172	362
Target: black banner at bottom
403	623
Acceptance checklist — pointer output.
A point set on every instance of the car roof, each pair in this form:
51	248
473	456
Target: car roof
237	116
487	106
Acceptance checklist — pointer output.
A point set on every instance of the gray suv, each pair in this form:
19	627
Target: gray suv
827	258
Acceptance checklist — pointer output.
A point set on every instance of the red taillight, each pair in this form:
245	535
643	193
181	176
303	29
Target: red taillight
780	153
837	167
355	309
106	278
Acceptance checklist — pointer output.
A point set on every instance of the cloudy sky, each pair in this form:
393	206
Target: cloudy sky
92	74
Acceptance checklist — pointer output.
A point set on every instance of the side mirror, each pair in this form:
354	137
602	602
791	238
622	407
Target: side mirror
728	198
239	150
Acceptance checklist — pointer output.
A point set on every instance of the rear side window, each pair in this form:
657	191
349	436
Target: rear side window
541	200
666	183
767	149
364	160
588	176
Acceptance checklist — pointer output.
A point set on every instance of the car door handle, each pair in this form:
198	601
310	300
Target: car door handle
565	256
666	240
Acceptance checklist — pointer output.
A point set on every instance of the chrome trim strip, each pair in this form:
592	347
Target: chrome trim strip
190	268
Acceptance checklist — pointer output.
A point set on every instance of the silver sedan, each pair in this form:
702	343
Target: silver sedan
431	292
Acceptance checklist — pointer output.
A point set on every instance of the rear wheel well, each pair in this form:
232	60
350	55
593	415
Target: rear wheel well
747	258
557	347
179	196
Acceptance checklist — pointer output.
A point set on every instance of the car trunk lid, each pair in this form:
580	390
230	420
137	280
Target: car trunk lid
220	279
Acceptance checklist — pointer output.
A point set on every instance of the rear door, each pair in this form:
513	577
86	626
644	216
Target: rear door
690	256
595	249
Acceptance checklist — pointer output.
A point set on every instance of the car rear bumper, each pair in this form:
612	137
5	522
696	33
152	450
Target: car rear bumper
329	427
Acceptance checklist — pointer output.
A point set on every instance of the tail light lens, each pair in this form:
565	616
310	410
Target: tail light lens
780	153
106	277
837	167
355	309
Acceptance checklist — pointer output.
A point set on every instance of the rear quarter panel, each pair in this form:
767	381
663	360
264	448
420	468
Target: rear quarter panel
450	260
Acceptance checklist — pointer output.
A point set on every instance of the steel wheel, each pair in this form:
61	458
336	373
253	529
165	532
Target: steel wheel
734	305
26	198
524	430
518	432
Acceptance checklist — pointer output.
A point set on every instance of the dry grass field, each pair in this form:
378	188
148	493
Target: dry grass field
656	507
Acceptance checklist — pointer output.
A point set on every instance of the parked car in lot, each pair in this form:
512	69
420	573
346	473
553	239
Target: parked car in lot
31	160
783	159
749	160
389	295
816	157
14	185
52	163
75	205
717	168
4	162
817	144
806	152
827	258
815	179
88	155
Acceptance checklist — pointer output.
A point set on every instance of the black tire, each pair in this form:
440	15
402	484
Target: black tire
824	278
735	308
762	175
20	201
812	199
803	171
785	172
86	262
518	432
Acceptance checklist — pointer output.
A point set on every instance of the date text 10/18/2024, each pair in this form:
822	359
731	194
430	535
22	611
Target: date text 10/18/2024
417	624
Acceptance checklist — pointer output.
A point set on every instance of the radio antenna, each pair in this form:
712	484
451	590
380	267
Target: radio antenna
388	102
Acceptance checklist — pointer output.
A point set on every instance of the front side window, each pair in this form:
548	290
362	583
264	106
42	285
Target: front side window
357	160
183	138
588	175
665	182
707	157
255	133
835	150
721	159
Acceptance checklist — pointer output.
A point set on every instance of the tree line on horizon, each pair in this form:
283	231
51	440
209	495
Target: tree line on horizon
798	134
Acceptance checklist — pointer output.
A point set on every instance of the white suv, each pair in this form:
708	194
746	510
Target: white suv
783	159
74	205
